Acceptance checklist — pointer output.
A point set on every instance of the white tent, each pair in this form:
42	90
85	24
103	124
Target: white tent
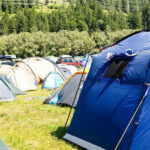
22	79
41	67
25	66
5	69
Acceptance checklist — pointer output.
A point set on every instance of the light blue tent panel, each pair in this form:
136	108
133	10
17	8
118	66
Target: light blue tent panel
5	93
3	146
11	86
53	81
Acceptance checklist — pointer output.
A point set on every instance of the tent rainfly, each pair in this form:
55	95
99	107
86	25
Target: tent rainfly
5	92
42	67
11	86
53	81
113	110
67	70
22	79
3	146
65	94
5	69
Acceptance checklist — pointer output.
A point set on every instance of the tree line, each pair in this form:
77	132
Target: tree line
87	16
42	44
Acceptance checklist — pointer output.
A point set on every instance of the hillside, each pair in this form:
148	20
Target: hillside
124	5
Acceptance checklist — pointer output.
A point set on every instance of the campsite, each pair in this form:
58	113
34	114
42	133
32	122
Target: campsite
29	124
26	119
74	74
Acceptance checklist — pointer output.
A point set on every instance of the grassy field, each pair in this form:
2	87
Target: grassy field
32	125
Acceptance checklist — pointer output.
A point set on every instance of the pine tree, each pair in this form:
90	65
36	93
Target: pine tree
125	6
21	22
4	24
135	19
46	2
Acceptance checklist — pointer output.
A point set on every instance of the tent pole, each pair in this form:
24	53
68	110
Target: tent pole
136	116
76	93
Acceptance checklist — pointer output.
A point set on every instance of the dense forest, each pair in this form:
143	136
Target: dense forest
90	16
83	15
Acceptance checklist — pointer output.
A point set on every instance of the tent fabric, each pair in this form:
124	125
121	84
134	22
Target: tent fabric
23	65
53	58
5	69
53	81
3	146
41	67
11	86
5	93
22	79
67	70
106	105
65	94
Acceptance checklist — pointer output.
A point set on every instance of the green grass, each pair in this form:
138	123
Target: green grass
32	125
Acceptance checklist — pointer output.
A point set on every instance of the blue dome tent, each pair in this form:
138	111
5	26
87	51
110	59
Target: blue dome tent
53	81
113	109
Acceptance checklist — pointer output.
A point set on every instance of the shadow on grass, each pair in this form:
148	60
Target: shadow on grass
60	132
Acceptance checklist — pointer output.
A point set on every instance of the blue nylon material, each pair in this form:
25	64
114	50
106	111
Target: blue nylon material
53	81
106	106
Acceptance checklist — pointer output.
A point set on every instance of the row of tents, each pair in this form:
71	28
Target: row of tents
27	74
112	111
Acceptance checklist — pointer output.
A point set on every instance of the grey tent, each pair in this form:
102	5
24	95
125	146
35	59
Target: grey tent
66	72
11	86
3	146
66	93
5	93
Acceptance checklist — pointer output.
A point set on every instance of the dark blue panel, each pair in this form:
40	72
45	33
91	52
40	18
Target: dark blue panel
105	105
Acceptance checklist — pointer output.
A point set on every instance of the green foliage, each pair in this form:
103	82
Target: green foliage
63	42
84	15
146	15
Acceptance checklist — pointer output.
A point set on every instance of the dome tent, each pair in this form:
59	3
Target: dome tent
10	85
53	81
66	92
23	65
5	92
110	98
41	67
3	146
5	69
22	79
53	58
67	70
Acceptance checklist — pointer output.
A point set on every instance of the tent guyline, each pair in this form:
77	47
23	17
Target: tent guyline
144	84
136	111
113	98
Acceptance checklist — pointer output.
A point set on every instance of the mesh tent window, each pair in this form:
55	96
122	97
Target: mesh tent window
116	68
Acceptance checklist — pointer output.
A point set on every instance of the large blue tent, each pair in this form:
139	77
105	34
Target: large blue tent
113	110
